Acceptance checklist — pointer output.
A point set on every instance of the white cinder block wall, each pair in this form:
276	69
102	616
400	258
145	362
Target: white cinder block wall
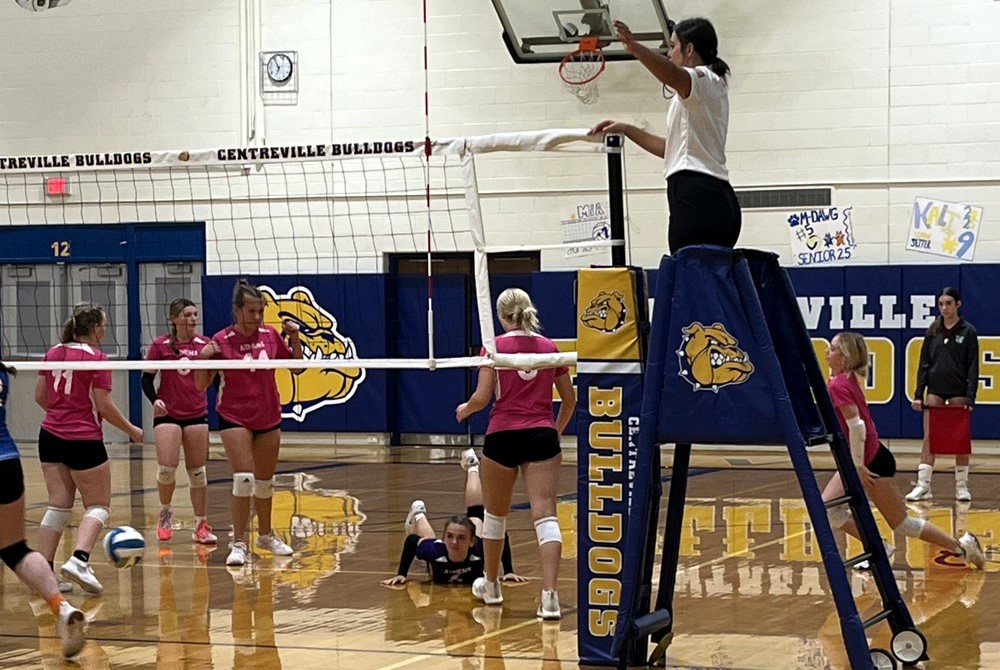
882	100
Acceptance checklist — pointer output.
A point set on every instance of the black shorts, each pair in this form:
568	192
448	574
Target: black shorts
513	448
74	454
11	481
946	396
183	423
226	424
703	210
884	463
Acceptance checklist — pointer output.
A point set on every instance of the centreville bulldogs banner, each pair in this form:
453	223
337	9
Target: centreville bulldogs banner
893	307
570	140
609	391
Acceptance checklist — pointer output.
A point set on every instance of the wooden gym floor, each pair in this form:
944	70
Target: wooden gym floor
751	590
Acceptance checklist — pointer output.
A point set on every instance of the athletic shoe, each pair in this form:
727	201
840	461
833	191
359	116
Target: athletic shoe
65	587
972	551
238	554
962	491
273	544
920	492
469	459
72	629
203	534
417	508
165	526
80	572
548	608
889	551
487	591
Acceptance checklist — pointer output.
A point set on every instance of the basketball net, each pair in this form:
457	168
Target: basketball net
580	69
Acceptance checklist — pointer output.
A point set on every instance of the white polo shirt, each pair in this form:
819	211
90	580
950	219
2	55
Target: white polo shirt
697	126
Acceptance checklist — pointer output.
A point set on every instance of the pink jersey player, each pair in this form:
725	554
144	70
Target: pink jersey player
177	389
70	412
524	398
249	398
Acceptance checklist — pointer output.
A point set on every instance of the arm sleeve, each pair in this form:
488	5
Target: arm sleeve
857	436
148	388
972	381
409	553
506	558
925	364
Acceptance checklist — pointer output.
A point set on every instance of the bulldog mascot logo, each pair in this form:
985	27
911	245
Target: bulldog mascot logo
308	390
606	312
711	358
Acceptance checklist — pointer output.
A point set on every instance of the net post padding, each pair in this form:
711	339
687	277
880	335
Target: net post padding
580	69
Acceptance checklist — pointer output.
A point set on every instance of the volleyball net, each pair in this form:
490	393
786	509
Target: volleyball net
389	243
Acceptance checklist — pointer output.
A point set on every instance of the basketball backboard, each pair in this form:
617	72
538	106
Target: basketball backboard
545	31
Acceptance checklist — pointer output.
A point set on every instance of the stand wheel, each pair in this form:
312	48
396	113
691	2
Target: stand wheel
909	646
881	660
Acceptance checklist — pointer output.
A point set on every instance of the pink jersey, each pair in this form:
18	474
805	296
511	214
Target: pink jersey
524	398
250	397
177	389
71	414
845	389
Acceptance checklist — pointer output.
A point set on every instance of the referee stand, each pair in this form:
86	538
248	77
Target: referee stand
731	362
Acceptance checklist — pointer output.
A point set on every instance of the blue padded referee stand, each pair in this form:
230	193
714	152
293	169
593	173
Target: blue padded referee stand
731	362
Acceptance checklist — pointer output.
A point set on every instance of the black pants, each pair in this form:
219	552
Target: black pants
703	210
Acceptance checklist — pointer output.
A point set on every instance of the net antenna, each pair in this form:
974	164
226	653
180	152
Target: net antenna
580	69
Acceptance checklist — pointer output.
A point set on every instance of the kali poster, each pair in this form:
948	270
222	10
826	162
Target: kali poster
821	236
944	228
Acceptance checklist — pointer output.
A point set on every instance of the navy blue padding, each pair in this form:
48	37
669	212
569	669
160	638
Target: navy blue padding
780	309
714	300
426	399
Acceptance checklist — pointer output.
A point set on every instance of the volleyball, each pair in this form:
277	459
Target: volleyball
124	546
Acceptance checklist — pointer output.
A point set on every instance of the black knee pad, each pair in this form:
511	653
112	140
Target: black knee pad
475	512
14	554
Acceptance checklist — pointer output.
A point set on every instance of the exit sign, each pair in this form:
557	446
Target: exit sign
56	186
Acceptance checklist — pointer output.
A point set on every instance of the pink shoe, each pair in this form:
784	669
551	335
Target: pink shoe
203	534
165	526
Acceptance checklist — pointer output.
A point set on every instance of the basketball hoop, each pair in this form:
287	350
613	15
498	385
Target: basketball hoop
580	69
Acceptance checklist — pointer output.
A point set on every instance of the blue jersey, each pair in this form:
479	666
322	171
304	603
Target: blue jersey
446	571
8	449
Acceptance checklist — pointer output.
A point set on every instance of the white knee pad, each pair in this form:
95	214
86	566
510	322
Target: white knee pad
166	475
263	488
99	512
56	518
494	527
198	478
547	530
243	484
838	516
912	526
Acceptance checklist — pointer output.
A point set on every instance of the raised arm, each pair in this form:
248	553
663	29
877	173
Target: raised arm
658	65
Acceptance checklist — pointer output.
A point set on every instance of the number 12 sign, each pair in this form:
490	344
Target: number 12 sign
944	228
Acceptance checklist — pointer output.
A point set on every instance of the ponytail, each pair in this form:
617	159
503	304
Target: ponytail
700	33
85	318
515	307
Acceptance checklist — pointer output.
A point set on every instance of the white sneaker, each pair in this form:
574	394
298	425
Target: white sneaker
65	587
469	459
77	571
72	629
238	554
962	491
417	508
919	492
972	551
273	544
487	591
548	609
889	551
